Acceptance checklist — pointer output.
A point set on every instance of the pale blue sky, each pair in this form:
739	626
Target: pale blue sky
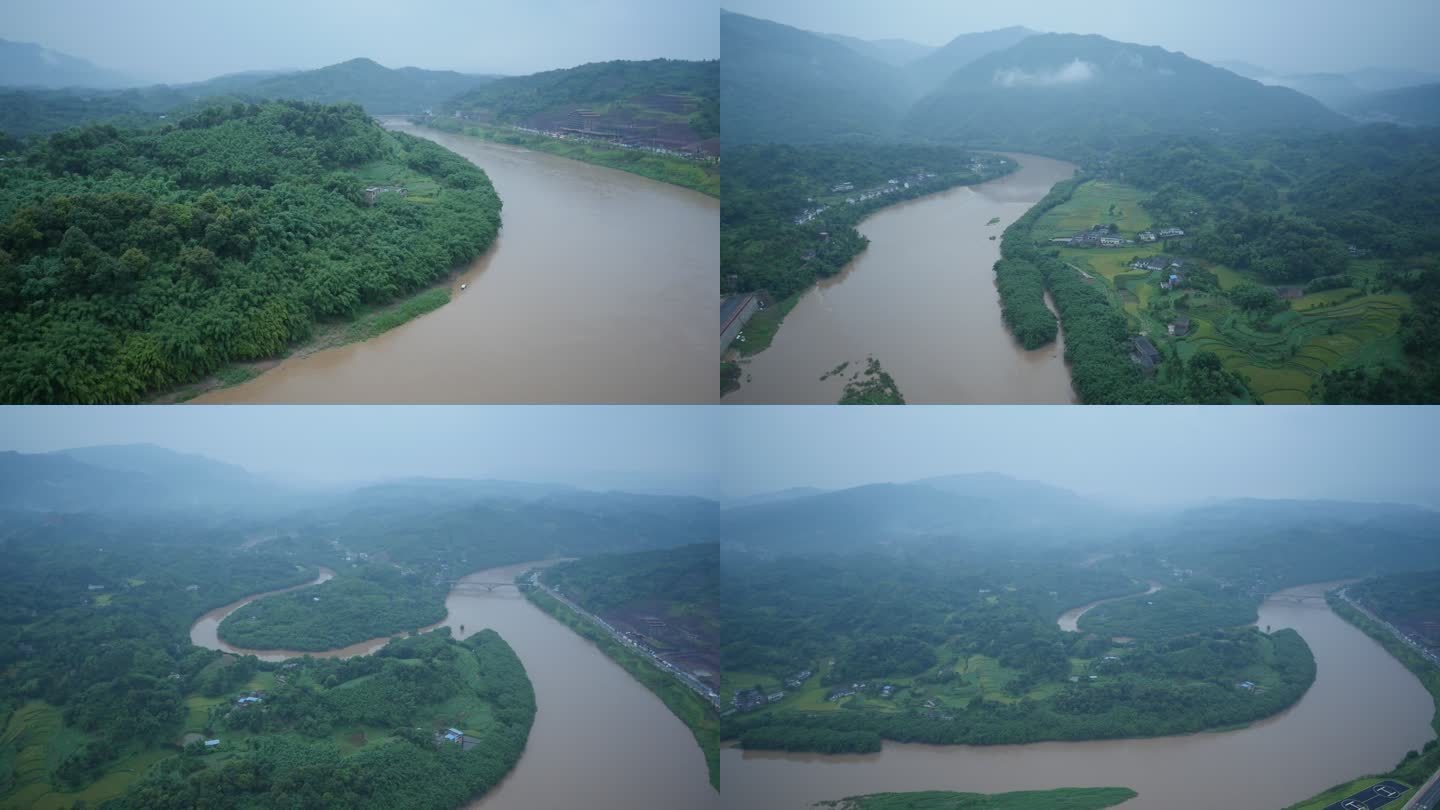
191	40
1156	455
1143	454
1284	35
625	447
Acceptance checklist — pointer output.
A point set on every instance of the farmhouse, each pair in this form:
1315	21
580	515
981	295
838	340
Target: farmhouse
1144	353
1146	236
1151	263
1111	241
1180	328
375	191
1171	233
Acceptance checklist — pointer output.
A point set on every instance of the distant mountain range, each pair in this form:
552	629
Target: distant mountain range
25	64
1052	91
1413	106
1015	87
897	52
143	478
380	90
678	99
989	510
981	509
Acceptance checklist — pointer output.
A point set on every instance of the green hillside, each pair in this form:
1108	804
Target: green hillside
1070	94
133	261
785	85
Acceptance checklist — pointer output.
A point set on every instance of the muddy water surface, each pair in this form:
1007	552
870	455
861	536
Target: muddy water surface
593	292
601	741
1361	716
922	300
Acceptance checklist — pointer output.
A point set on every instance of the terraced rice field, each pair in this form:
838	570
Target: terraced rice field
1282	366
36	740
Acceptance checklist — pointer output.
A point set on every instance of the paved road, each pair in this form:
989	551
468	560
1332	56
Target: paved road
1428	797
695	684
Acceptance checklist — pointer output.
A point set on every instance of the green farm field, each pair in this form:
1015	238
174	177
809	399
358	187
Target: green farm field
1280	358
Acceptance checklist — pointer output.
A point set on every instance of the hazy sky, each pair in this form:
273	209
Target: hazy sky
1283	35
191	40
1143	454
637	447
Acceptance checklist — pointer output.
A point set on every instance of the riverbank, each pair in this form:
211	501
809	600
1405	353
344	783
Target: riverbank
700	176
926	263
635	260
1060	799
846	215
370	322
1412	771
1270	763
684	703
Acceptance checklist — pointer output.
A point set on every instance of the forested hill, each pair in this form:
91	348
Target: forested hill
26	111
1061	92
132	261
380	90
25	64
670	91
1419	106
785	85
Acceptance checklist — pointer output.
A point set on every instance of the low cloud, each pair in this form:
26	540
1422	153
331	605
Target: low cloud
1076	72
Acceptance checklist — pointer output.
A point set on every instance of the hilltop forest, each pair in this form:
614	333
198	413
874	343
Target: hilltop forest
132	261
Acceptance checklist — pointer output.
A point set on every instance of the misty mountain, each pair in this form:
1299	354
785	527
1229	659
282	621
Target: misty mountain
25	64
1376	79
962	510
380	90
926	75
667	94
1052	92
128	479
773	497
896	52
1330	88
996	487
1278	543
1412	106
786	85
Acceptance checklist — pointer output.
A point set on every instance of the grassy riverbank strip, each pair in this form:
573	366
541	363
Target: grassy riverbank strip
371	322
1417	766
1058	799
695	175
692	710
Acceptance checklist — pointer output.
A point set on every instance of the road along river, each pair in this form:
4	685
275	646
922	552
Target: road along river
1363	713
922	300
600	740
591	293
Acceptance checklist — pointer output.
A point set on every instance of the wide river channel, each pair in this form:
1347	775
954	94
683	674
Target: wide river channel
922	300
1363	713
591	293
600	740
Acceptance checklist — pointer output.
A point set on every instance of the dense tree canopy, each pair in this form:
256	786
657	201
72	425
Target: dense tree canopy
765	189
132	261
376	601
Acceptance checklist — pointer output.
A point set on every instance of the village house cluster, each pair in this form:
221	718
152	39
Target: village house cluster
1108	236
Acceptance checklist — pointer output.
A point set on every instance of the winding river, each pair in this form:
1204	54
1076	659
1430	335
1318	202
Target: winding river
1070	619
591	293
1363	713
922	300
600	740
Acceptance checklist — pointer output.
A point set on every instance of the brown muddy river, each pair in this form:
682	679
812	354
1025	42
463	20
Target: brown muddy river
1363	713
601	741
591	293
921	299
